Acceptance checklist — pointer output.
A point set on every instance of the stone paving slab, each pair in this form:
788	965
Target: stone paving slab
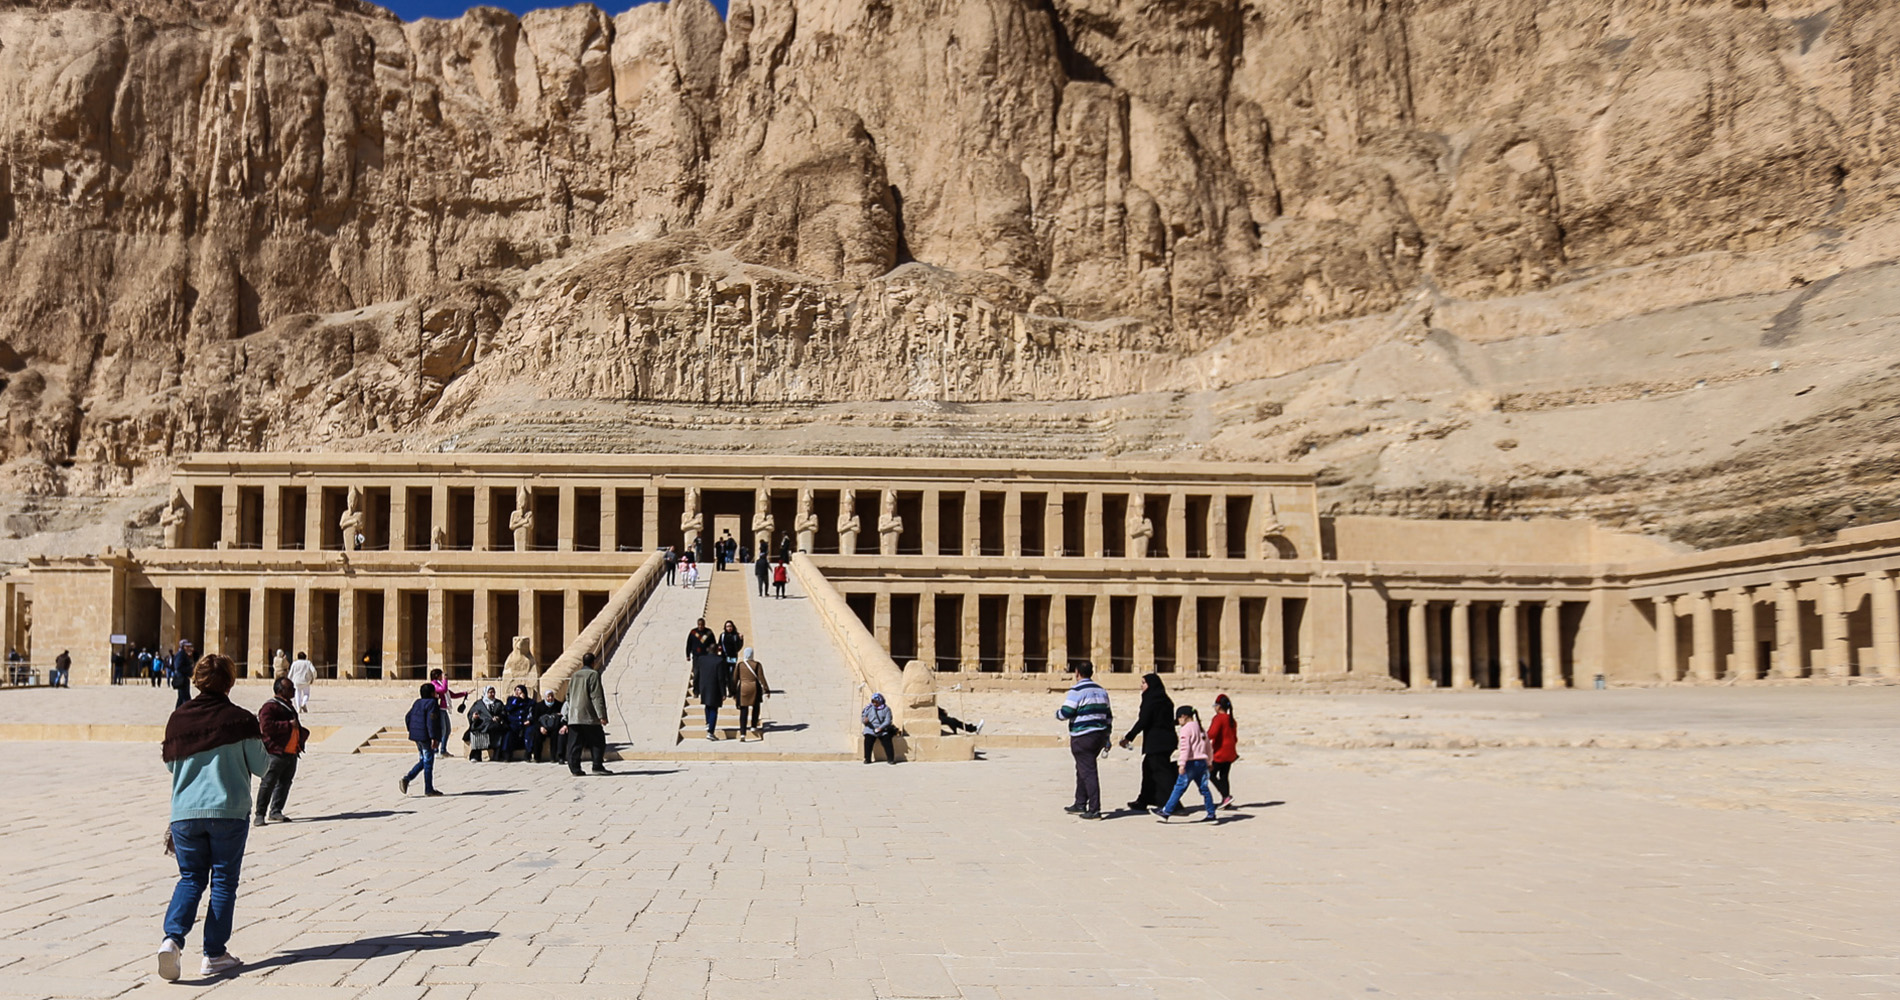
743	878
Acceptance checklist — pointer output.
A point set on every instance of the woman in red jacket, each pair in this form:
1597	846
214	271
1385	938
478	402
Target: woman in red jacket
1224	746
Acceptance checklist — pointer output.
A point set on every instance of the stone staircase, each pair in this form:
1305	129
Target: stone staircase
389	739
726	600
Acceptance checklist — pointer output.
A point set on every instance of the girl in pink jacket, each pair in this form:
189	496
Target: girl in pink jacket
1192	758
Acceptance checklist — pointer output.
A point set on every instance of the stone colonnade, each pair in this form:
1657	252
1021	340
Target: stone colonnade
1834	626
1459	642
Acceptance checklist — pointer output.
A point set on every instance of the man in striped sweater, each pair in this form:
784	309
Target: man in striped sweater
1087	713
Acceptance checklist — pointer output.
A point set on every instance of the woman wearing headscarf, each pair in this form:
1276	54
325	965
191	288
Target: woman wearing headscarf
1155	725
487	727
749	691
878	727
212	749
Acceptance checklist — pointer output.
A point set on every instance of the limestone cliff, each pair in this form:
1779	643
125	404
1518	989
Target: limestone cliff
258	223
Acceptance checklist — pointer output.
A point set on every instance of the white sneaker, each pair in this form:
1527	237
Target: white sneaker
218	966
979	727
168	961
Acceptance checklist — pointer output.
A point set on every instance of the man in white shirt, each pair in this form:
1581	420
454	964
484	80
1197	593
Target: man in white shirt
303	673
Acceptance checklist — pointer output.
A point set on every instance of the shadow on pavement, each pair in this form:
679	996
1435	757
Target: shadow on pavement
368	814
369	947
489	791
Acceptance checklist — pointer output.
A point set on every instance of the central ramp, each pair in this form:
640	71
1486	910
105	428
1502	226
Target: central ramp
646	678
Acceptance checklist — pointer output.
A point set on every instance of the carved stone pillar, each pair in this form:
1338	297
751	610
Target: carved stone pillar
397	529
932	529
1461	644
1510	647
393	664
973	522
1013	523
1177	525
1092	533
881	618
649	521
257	655
1702	654
970	650
609	518
564	528
303	624
1144	633
1273	636
482	643
1788	659
1217	527
1480	645
1417	646
1666	665
1834	648
484	513
1058	632
230	498
273	518
1745	665
1187	634
1052	526
1886	600
927	626
1230	634
349	651
1013	634
1552	667
438	632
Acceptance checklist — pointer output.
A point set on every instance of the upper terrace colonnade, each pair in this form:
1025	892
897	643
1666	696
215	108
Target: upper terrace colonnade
386	565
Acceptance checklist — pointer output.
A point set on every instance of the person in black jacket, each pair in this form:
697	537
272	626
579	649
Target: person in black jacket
421	724
712	682
182	662
1155	725
731	643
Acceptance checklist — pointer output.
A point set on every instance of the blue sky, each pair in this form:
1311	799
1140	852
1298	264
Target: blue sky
410	10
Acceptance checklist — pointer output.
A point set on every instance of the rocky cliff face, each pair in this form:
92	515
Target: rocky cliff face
248	224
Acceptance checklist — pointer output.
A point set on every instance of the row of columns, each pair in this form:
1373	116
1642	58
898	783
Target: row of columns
1468	644
1835	657
1265	535
1271	650
307	634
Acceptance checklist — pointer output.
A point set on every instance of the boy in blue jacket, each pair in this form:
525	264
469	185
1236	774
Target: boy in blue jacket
421	723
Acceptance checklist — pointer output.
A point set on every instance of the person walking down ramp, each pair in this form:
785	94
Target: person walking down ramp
212	748
421	724
585	717
1090	719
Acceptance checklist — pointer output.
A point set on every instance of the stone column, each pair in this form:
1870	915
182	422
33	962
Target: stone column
1177	524
1013	634
609	518
1834	648
1013	523
1417	645
256	652
970	649
1886	601
304	622
392	633
1217	527
571	623
1552	653
1746	664
932	515
1187	634
312	518
649	519
973	522
398	527
527	617
564	530
1052	526
1788	658
167	620
229	502
1510	647
481	644
1230	634
1144	633
484	510
1272	638
214	622
1100	628
1702	654
349	653
438	631
1666	639
439	516
1461	644
880	618
927	625
1092	525
273	518
1058	631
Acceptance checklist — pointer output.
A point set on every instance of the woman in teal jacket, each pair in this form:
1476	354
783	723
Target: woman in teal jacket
213	749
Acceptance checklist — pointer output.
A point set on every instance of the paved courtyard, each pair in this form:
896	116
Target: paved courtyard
1712	843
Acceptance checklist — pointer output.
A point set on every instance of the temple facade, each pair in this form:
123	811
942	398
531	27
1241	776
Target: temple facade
1001	573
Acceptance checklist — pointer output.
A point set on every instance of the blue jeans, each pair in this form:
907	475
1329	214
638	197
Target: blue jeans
210	851
1196	772
712	718
425	766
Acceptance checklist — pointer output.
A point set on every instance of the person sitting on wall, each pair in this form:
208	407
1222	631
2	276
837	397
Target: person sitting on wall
547	725
520	711
487	727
